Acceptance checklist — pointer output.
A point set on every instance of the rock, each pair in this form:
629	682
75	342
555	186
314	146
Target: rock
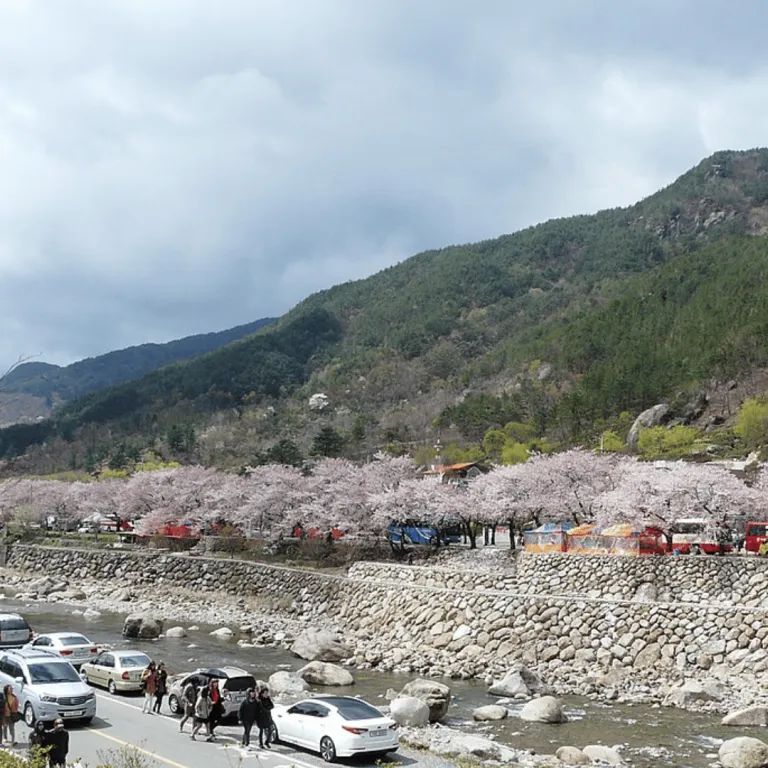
646	593
598	753
490	712
142	627
649	657
323	673
694	690
510	686
651	417
748	716
435	695
454	744
572	756
320	645
743	752
91	613
287	684
391	694
176	632
546	709
408	710
221	632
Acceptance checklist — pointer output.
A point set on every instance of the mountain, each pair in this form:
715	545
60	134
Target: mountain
562	328
41	385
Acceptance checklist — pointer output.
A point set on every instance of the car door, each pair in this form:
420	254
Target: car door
315	725
107	668
290	724
97	674
43	643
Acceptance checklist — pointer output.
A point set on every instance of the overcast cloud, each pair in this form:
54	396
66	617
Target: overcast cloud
170	167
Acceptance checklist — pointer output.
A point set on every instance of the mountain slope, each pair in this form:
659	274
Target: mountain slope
397	351
55	384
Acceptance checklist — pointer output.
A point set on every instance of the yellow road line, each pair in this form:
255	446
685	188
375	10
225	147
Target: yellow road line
146	752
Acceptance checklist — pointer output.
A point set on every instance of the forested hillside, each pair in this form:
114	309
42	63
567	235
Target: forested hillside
562	329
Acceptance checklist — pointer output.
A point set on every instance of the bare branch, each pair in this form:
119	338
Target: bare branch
21	360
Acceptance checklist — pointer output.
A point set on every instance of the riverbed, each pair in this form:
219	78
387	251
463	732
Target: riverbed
652	736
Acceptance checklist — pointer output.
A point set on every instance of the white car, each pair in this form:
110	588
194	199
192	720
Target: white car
335	726
75	648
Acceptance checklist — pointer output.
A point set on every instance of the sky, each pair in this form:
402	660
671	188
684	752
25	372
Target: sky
170	167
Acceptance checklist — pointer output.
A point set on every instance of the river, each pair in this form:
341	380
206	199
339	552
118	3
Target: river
690	739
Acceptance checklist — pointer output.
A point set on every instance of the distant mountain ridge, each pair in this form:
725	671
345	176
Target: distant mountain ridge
42	386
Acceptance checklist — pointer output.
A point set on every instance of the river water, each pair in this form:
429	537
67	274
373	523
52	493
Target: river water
688	740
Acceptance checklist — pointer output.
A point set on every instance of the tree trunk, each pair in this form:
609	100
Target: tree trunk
493	535
511	525
471	533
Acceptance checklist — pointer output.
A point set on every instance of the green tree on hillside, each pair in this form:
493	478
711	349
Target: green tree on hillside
752	422
328	442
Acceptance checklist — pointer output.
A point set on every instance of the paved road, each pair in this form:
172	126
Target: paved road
120	723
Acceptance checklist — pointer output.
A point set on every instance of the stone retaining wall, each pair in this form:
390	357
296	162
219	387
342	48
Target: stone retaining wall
697	612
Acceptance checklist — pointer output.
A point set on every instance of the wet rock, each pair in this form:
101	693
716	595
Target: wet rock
598	753
546	709
323	673
490	712
142	627
221	632
572	756
320	645
510	686
436	696
409	711
749	716
743	752
176	632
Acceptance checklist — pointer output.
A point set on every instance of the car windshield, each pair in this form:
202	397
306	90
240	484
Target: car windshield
53	672
353	709
139	660
13	623
74	640
240	683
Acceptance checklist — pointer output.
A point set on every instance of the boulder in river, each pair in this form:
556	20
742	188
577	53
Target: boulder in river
409	711
320	645
91	613
695	690
748	716
142	627
287	684
176	632
599	753
572	756
221	632
490	712
743	752
323	673
436	696
545	709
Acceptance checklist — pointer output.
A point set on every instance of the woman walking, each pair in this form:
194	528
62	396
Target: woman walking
202	713
149	686
217	708
161	687
247	714
10	714
188	701
264	718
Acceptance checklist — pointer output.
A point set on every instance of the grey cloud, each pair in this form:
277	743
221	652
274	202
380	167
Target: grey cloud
172	168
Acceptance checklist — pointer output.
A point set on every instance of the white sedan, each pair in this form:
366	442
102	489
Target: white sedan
335	726
71	646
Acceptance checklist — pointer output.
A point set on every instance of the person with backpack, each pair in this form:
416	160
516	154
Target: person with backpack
188	701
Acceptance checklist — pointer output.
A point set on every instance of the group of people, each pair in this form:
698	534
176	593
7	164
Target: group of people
154	683
256	709
54	742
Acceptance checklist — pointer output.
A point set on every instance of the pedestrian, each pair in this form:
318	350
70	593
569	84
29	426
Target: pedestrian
10	714
188	701
39	737
264	718
161	687
149	685
202	713
58	739
248	714
217	708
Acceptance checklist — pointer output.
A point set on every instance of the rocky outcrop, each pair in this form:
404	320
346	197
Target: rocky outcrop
651	417
142	627
436	696
546	709
743	752
320	645
409	711
323	673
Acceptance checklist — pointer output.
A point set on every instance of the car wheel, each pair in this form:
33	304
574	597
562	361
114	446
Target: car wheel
274	737
29	715
173	704
327	749
111	687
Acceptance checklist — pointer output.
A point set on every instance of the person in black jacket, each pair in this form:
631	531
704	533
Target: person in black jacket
39	736
248	714
162	687
58	740
264	717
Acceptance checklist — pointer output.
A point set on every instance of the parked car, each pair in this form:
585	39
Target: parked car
14	631
415	532
117	671
336	726
75	648
755	535
233	683
47	686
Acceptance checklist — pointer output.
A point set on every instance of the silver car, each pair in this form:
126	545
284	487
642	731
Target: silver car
233	683
47	686
71	646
